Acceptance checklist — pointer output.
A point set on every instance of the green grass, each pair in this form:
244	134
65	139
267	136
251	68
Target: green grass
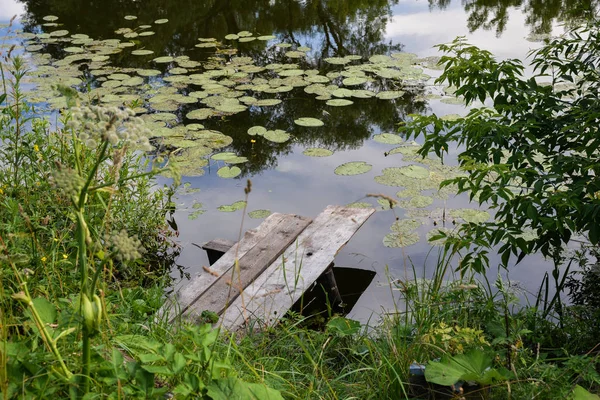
57	243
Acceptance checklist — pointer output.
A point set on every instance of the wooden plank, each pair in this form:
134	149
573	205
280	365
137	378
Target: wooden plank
220	245
216	248
191	290
271	295
228	287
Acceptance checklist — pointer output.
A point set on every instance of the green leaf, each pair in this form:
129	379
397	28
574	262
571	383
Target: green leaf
229	172
475	366
45	309
343	327
353	168
236	389
580	393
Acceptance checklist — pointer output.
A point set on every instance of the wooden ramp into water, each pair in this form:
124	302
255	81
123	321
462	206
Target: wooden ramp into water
277	263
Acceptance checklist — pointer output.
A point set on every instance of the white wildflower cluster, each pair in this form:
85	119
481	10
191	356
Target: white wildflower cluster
68	182
125	248
96	124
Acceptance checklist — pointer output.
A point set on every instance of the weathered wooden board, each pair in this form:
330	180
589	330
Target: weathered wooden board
228	287
269	297
202	281
216	248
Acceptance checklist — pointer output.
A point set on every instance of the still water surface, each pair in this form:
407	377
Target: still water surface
284	180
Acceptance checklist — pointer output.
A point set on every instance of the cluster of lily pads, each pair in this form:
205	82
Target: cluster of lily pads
226	84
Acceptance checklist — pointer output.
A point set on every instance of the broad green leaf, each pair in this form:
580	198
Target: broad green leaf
353	168
229	172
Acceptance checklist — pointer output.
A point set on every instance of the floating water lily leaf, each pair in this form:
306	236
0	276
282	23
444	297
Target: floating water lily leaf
238	205
257	130
50	18
308	121
355	80
420	201
130	17
388	138
277	136
267	102
295	54
259	214
73	50
34	47
353	168
246	39
359	205
142	52
283	45
400	239
414	171
244	34
390	94
471	215
337	60
229	172
161	21
267	37
59	33
405	226
163	60
304	48
148	72
342	92
146	33
450	117
339	102
223	156
317	152
231	36
202	113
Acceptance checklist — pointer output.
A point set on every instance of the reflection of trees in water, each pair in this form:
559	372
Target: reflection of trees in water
329	27
539	14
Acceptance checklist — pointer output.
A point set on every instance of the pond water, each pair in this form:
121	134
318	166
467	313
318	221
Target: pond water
284	179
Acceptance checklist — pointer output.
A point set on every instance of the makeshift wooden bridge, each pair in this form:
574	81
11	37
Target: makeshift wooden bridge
277	263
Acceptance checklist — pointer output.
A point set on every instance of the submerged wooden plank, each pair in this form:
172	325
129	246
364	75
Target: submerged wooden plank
228	287
191	290
272	294
220	245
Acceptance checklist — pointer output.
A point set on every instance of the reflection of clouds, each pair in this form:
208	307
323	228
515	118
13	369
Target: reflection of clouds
10	8
421	29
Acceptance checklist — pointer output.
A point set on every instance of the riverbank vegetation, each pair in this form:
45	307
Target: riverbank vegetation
86	247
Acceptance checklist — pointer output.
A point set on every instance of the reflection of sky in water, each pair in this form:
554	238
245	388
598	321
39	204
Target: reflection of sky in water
306	185
9	8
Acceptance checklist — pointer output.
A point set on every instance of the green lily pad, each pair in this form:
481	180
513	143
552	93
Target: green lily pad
353	168
229	172
339	102
355	80
317	152
142	52
308	121
267	37
415	171
161	21
232	36
395	240
337	60
50	18
259	214
405	226
388	138
163	60
130	17
420	201
471	215
390	94
238	205
277	136
257	130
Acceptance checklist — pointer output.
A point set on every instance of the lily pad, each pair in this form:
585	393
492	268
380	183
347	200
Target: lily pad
277	136
339	102
390	94
308	121
353	168
161	21
142	52
259	214
388	138
400	239
359	204
471	215
405	226
238	205
229	172
317	152
420	201
257	130
415	171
